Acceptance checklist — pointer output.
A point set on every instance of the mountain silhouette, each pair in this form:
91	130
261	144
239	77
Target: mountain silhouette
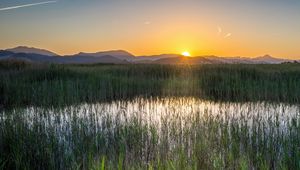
269	59
156	57
185	60
4	53
108	59
120	54
24	49
123	57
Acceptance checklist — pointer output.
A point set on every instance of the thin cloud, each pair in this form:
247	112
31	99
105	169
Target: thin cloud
227	35
147	22
219	30
26	5
222	34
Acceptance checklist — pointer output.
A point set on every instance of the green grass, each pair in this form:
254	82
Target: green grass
87	137
55	134
55	85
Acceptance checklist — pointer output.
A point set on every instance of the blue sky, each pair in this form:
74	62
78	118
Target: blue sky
255	27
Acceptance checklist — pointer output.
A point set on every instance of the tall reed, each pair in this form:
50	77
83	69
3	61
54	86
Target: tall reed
55	85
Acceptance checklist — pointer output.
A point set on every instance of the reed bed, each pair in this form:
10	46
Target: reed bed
60	85
149	116
168	133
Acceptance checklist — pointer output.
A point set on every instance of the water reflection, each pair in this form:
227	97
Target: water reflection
185	111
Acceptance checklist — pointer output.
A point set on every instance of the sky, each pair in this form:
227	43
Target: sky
247	28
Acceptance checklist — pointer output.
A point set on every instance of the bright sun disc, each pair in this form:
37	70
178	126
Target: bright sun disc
186	54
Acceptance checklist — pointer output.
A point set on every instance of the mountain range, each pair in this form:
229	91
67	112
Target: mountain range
31	50
30	54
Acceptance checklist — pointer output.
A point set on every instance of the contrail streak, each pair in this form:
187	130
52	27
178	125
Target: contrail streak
26	5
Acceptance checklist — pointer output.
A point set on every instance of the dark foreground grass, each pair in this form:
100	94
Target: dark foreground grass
55	85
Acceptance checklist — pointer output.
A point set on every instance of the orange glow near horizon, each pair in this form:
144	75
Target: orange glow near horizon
153	27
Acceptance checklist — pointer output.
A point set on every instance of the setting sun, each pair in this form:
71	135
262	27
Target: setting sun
186	54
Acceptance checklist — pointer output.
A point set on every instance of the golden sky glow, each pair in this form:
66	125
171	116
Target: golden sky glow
201	27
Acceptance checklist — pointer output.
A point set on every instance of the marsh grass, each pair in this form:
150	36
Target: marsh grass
52	117
170	133
60	85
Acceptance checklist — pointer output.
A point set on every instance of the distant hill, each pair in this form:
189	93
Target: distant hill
64	59
184	60
28	50
93	60
120	54
267	59
29	57
229	60
156	57
123	57
4	53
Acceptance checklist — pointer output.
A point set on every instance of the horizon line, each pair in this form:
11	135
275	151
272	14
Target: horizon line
149	55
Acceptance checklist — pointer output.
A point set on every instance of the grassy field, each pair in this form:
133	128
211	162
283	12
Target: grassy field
179	137
48	119
56	85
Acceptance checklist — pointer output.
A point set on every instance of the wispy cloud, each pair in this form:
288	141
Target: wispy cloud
227	35
26	5
147	22
219	30
222	34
